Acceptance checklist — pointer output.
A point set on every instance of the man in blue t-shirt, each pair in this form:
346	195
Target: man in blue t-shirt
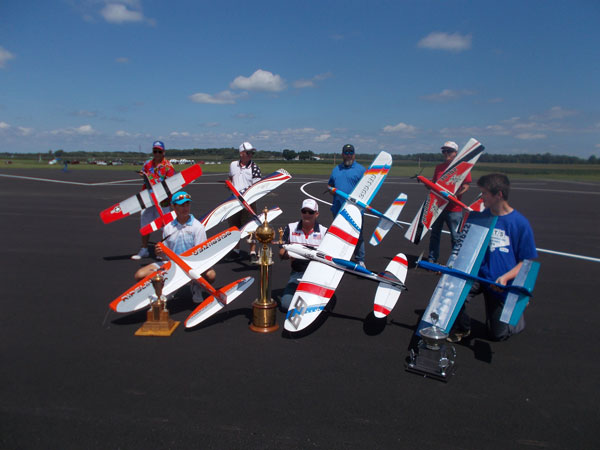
345	177
511	243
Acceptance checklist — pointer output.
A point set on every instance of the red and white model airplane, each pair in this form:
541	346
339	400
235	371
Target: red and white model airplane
442	192
156	193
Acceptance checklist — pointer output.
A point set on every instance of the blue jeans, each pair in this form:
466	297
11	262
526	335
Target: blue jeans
452	219
290	289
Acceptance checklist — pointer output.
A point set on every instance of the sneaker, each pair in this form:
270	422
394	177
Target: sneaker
457	336
362	264
253	258
143	253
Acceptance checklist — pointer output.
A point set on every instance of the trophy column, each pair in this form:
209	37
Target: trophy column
264	308
158	322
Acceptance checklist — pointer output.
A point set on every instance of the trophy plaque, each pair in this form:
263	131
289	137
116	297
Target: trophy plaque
158	322
433	357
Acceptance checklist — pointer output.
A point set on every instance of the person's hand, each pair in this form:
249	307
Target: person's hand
158	252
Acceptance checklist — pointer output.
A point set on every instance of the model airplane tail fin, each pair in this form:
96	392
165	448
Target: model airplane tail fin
516	302
476	206
387	294
212	305
157	224
390	218
251	226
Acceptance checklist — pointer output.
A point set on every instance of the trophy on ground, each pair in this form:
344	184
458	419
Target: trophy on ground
158	322
264	308
434	357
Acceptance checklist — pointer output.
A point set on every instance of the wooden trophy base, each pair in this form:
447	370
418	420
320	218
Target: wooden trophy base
158	323
263	317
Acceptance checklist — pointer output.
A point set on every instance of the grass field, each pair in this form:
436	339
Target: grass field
571	172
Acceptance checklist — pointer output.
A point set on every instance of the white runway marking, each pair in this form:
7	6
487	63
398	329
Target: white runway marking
541	250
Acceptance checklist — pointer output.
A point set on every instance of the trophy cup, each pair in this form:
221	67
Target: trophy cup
264	308
158	322
434	357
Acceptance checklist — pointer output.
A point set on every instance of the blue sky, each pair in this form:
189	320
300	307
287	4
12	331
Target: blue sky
401	76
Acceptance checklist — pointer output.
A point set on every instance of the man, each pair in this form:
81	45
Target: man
511	243
243	174
307	231
157	169
345	177
452	213
180	235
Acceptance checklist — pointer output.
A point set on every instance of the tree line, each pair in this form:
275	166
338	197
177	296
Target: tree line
231	153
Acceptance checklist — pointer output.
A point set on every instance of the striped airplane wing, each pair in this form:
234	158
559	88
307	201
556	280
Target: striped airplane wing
460	167
319	281
385	225
429	211
142	200
450	292
232	205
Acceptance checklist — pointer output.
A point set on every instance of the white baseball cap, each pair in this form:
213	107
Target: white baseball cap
246	147
451	144
309	203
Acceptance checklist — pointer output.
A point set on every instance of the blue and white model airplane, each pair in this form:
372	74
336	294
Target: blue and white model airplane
320	280
461	272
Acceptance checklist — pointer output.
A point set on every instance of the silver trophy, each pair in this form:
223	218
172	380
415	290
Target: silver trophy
433	357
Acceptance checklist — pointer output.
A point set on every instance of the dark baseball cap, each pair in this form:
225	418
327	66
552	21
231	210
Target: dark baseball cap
348	148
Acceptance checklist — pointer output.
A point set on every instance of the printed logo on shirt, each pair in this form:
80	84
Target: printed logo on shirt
499	241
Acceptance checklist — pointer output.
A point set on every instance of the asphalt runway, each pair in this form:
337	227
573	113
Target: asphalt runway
75	376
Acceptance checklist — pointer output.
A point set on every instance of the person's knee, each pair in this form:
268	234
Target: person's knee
210	275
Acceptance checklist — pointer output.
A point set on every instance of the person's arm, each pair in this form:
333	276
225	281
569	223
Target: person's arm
508	276
462	189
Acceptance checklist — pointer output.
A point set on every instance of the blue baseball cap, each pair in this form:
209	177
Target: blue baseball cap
158	144
179	198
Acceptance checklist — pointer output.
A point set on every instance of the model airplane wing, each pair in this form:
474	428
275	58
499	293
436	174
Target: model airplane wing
451	291
319	280
385	225
232	205
461	166
429	211
143	200
200	258
387	294
515	302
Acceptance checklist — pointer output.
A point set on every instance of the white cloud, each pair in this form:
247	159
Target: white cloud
23	131
4	126
179	134
222	98
556	112
5	56
399	128
261	80
447	95
322	137
300	84
530	136
83	130
118	13
438	40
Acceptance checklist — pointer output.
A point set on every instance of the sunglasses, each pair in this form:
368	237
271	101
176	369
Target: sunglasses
157	151
182	197
348	152
448	151
307	211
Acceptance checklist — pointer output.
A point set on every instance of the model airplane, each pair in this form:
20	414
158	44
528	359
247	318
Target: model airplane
319	281
181	270
235	203
461	271
391	281
163	190
442	192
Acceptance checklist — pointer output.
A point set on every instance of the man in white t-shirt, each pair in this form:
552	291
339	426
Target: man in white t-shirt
243	173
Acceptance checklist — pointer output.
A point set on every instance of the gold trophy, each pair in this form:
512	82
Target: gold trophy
264	308
158	322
